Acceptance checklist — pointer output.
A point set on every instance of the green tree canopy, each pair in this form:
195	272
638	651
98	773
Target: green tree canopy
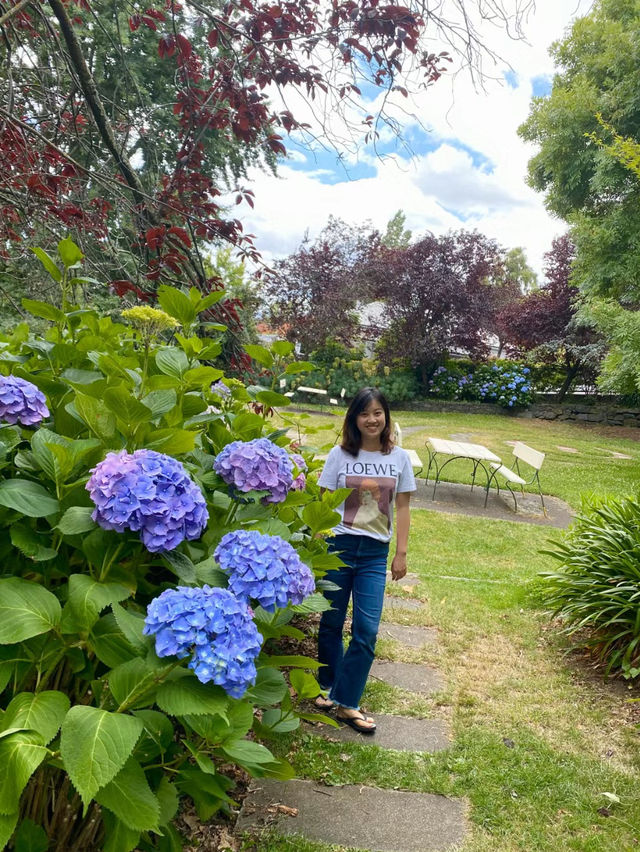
599	74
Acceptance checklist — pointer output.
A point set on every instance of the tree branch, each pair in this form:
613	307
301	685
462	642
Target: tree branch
13	11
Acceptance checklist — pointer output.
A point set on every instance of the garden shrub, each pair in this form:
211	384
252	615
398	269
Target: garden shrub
504	383
596	591
138	601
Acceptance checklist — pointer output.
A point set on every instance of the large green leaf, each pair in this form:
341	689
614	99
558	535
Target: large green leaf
70	253
133	683
177	305
168	799
129	797
269	688
172	362
247	752
28	498
188	695
128	410
76	521
109	642
319	517
42	712
272	398
30	837
20	755
131	624
174	442
157	735
95	745
7	827
202	377
26	610
44	310
259	354
87	598
48	263
159	402
118	837
314	603
31	543
96	415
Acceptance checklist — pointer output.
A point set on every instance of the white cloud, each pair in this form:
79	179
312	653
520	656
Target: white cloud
472	176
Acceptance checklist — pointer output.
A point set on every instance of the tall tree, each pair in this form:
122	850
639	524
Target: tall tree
121	123
436	293
546	324
599	74
396	235
314	292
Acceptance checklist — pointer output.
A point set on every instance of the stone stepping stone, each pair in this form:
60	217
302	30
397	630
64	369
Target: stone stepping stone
614	454
412	637
411	676
391	602
461	436
407	580
355	816
566	449
399	733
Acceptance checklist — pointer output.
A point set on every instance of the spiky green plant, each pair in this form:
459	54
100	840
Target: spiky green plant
596	592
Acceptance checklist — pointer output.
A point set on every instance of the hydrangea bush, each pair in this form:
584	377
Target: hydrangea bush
508	385
117	625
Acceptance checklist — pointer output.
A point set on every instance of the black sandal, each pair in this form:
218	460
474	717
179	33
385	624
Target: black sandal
355	722
322	702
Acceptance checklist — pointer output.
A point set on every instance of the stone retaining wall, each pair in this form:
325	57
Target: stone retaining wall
607	414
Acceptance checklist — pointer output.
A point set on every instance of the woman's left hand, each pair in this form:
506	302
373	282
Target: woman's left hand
399	566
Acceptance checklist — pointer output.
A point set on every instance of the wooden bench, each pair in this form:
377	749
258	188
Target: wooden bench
512	475
414	458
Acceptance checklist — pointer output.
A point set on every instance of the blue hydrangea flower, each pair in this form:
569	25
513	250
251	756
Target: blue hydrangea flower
21	402
265	568
258	465
212	625
300	482
150	493
220	389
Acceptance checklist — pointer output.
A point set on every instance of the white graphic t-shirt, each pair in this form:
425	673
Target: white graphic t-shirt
375	479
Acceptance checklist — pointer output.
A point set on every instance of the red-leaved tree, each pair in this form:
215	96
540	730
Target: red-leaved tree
123	123
545	326
437	297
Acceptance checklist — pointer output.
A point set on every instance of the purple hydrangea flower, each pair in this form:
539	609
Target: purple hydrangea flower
220	388
258	465
150	493
300	482
265	568
212	625
21	402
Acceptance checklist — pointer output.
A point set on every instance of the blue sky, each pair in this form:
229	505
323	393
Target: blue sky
460	164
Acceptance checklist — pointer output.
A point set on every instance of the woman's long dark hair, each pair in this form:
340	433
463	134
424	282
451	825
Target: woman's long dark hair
351	437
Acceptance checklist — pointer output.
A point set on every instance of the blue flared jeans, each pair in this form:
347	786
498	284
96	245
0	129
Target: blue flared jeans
345	673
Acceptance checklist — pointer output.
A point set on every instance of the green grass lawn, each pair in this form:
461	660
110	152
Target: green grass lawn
565	475
538	737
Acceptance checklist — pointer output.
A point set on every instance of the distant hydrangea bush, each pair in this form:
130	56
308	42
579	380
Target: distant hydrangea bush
150	493
508	386
258	465
212	625
300	481
264	568
21	402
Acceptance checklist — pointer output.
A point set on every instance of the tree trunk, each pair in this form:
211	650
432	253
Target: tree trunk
572	372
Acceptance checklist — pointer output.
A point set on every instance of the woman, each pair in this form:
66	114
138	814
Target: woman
380	475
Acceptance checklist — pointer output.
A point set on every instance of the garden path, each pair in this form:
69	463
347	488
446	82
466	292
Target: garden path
362	817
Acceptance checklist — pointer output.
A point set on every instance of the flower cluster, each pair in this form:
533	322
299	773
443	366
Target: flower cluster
265	568
220	389
212	625
147	492
258	465
300	482
21	402
508	386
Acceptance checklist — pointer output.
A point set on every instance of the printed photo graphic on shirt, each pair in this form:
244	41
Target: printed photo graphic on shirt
368	506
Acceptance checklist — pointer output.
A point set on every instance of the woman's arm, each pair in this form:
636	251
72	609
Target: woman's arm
403	520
